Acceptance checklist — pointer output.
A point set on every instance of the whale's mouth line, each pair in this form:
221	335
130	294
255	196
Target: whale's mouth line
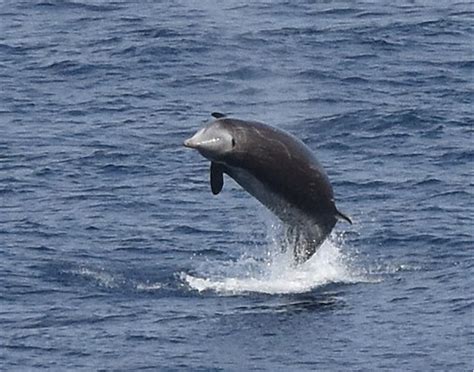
195	145
188	143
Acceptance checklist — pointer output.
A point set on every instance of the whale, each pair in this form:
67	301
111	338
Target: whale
277	169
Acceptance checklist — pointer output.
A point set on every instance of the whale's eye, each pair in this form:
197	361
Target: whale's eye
233	142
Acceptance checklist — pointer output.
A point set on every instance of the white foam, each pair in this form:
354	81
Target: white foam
112	280
148	286
101	277
276	274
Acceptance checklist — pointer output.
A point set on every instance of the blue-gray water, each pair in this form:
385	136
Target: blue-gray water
114	255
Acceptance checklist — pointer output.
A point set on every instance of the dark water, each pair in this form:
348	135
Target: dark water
114	255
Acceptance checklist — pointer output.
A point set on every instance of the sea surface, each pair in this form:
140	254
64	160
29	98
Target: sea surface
115	255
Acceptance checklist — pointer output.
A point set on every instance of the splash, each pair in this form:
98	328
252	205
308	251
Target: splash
111	279
99	276
276	274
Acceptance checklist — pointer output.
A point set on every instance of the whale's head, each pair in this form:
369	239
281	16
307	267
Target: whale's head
214	142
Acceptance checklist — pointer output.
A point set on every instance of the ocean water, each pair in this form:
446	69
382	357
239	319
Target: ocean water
114	254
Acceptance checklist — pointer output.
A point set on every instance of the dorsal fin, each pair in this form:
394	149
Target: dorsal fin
217	178
218	115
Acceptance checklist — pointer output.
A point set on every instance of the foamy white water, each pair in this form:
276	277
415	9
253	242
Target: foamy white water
277	275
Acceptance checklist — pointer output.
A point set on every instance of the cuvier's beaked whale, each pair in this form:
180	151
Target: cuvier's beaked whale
278	170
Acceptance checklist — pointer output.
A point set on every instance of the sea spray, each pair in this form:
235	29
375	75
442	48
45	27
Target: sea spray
276	273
